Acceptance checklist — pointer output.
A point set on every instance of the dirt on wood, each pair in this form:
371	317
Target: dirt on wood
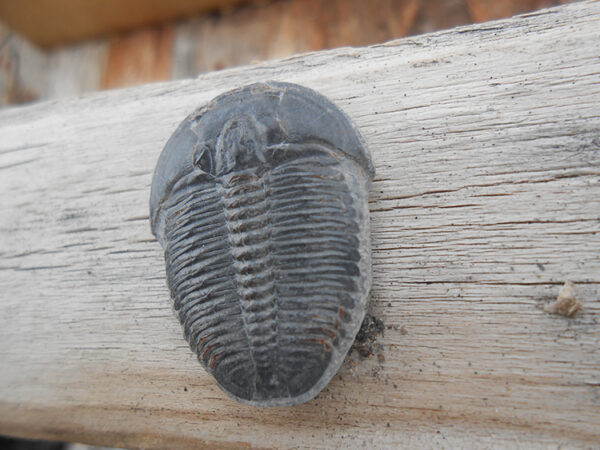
366	343
566	303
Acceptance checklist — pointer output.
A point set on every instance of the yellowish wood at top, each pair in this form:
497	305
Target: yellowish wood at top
53	22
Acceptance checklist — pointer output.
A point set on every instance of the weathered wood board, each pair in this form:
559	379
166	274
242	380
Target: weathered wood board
486	141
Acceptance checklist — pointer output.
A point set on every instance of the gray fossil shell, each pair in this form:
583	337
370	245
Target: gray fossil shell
259	200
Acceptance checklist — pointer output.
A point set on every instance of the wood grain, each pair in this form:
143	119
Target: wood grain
140	57
283	28
15	79
438	15
28	74
486	141
484	10
255	32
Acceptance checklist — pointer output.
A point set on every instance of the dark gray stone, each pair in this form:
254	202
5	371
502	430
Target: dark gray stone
259	200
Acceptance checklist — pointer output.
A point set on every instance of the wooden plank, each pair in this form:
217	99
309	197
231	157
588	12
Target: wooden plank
71	71
20	74
486	200
54	22
244	35
279	29
484	10
140	57
438	15
28	74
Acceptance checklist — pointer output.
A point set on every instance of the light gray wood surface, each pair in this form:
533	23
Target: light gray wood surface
486	141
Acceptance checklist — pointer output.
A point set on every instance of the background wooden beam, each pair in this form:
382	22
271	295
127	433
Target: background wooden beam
54	22
486	141
251	32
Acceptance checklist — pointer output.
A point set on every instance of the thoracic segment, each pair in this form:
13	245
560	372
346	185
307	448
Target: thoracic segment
247	214
263	270
201	279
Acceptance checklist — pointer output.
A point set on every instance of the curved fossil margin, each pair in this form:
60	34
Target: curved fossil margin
294	114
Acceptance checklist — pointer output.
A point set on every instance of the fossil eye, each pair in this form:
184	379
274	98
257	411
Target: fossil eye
203	159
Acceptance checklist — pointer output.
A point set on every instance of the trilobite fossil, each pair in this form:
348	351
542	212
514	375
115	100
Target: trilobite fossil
259	200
